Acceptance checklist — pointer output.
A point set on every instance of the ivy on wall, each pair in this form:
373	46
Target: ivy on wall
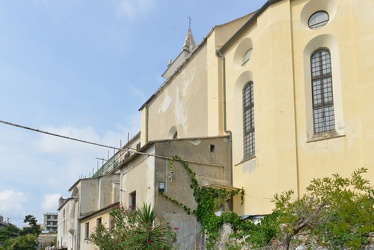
336	212
209	200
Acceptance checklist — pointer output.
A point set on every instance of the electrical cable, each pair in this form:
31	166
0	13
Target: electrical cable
133	150
57	135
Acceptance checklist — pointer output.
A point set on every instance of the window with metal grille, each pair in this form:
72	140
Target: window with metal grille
322	93
248	121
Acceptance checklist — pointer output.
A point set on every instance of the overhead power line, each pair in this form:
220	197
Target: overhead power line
133	150
57	135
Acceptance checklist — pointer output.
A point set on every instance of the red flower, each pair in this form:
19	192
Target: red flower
149	242
176	228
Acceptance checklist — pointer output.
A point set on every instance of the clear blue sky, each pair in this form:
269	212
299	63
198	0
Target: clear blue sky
82	68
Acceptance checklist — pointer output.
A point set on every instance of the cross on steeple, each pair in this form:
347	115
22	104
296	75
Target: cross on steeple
189	22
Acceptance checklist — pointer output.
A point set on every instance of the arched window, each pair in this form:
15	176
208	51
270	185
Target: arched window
322	92
248	121
173	133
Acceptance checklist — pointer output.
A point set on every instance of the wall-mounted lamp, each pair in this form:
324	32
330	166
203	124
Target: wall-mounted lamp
161	186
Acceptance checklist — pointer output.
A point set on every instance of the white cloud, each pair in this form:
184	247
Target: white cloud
50	203
54	144
132	9
12	203
76	158
33	163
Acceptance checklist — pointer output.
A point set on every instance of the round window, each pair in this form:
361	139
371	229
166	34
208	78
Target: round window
318	19
247	56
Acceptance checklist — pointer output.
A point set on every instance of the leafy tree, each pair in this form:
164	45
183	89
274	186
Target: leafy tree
25	242
12	238
134	229
258	235
338	212
33	227
8	232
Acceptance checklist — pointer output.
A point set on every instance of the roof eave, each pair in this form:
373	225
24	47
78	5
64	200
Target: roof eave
244	27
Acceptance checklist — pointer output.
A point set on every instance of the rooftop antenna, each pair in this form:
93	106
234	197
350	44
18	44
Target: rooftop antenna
189	22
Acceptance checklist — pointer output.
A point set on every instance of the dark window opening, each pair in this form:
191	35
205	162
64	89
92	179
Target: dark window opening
87	230
212	148
132	197
111	223
98	221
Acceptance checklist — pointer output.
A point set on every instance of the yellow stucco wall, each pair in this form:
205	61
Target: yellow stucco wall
190	102
288	156
86	243
181	105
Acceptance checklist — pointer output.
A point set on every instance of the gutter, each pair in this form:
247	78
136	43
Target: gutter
146	106
146	122
244	27
225	113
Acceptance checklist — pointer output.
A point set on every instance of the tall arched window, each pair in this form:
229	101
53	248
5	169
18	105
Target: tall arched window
248	121
322	92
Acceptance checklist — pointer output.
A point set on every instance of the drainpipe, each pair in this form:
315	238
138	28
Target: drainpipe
146	122
225	114
146	106
78	235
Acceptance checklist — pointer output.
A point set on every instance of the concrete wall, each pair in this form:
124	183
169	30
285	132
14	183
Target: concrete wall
86	197
210	168
89	194
207	157
67	224
45	240
187	229
108	190
138	176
